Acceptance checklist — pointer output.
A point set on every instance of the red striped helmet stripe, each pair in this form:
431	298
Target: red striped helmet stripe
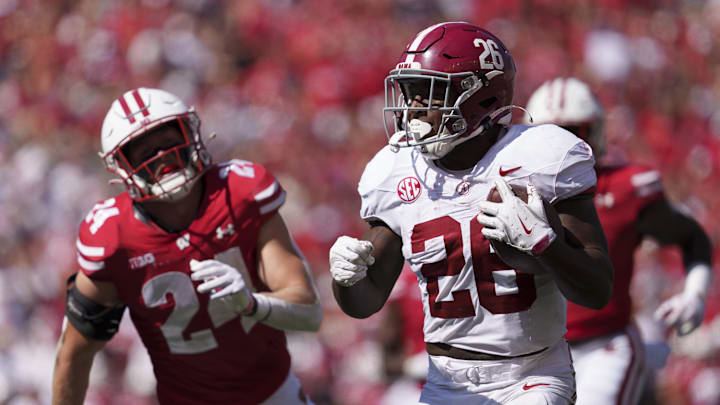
140	103
563	84
126	109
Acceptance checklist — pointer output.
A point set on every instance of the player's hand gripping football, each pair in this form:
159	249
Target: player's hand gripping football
524	226
349	260
684	312
224	282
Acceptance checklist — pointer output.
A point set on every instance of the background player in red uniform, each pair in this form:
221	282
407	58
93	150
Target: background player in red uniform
606	347
201	257
494	334
400	335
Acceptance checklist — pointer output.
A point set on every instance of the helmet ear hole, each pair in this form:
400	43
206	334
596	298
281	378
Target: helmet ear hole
459	125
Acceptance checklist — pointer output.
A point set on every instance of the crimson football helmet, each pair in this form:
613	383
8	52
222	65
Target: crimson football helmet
458	69
136	114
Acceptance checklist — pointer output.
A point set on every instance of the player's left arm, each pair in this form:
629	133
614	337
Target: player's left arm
684	311
292	302
578	258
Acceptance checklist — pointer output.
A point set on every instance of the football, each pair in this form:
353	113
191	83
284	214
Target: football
515	258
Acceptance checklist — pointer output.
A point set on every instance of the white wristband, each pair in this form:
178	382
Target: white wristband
697	281
281	314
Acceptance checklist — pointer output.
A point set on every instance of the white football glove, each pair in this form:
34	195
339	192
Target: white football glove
349	260
683	311
224	282
512	221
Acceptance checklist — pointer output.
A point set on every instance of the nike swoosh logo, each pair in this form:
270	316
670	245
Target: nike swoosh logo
508	171
527	231
527	387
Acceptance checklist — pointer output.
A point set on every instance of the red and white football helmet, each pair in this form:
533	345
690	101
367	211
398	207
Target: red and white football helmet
138	112
569	103
466	67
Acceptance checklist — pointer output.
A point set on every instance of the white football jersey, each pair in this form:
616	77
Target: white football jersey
471	299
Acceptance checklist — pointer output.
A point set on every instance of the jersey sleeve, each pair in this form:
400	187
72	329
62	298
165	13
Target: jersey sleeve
97	242
646	184
378	198
570	169
267	193
253	184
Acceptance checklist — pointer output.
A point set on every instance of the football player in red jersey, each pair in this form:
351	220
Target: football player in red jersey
493	334
401	338
605	344
199	255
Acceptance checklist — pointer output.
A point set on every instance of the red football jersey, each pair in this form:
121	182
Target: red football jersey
202	353
622	193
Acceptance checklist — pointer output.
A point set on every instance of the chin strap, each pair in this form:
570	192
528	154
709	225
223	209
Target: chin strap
495	114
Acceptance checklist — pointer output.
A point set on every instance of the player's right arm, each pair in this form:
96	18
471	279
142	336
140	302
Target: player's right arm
76	350
684	311
365	270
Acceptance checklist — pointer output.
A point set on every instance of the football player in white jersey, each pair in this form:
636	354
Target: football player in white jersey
494	333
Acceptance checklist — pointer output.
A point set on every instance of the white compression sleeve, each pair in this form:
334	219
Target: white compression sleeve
281	314
697	280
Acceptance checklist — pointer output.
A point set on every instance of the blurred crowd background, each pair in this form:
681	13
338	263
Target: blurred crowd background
297	85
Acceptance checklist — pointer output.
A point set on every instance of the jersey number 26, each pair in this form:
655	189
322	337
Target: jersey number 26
485	267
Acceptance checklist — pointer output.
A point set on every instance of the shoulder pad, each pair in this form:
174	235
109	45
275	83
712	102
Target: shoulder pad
98	237
379	182
645	180
252	182
560	164
379	169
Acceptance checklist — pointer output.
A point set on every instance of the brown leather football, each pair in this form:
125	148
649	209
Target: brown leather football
520	191
514	258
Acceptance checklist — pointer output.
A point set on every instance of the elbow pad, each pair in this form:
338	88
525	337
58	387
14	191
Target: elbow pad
93	320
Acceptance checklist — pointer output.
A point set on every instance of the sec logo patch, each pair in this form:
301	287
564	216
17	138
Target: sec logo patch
409	189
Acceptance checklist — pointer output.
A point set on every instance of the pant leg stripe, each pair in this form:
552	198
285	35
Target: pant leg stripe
633	374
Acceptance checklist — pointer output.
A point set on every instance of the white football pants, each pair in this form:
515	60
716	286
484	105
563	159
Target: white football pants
546	378
610	368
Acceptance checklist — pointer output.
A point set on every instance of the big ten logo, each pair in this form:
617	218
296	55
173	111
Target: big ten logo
409	189
141	261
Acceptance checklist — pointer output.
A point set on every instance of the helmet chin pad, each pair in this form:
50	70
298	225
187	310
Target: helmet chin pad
171	187
431	147
175	186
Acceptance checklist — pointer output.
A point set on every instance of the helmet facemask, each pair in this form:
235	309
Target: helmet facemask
450	91
182	163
